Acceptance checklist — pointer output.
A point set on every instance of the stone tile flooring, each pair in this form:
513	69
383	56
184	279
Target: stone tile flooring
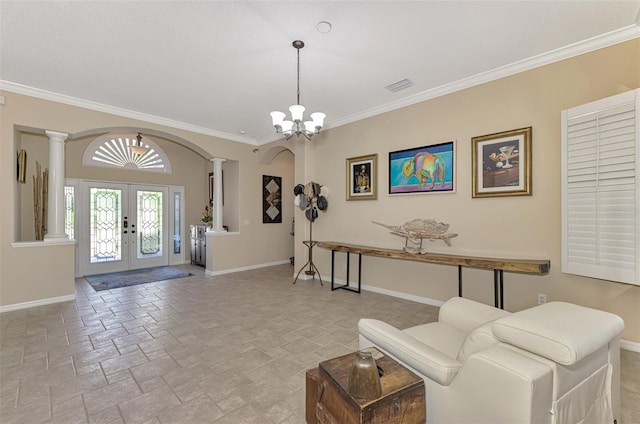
227	349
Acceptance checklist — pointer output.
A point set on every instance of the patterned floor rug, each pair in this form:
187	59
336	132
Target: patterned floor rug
131	278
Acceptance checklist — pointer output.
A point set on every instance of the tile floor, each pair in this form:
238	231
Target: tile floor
227	349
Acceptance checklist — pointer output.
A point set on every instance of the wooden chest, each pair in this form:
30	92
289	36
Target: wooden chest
311	398
402	399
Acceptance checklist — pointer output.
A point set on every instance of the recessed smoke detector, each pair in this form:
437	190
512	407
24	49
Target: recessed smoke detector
324	27
400	85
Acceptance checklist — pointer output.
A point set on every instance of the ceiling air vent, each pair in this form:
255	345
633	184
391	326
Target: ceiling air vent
400	85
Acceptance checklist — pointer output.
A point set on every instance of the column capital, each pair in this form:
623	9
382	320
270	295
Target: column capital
217	160
56	136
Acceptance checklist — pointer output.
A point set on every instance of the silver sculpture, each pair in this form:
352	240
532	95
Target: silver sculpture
417	230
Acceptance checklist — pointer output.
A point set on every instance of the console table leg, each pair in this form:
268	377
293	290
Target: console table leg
496	302
501	289
498	288
347	279
359	271
459	280
333	255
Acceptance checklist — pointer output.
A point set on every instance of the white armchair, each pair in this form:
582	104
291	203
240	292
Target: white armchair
553	363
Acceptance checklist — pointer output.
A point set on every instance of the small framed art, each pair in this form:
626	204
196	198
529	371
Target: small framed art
271	199
501	164
424	169
362	177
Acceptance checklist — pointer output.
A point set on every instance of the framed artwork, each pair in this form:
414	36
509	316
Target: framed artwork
501	164
271	199
362	177
427	169
22	165
211	186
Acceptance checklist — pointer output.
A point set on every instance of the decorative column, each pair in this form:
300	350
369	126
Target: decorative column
55	211
217	195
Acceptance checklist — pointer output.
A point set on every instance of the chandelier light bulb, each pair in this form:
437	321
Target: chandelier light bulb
287	127
277	118
309	127
318	119
296	125
296	112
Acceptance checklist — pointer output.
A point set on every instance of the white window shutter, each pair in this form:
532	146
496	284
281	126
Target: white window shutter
601	189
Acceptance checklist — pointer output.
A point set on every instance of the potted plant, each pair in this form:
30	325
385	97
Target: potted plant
207	215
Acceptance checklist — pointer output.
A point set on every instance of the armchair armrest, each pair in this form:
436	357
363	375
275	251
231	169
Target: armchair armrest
430	362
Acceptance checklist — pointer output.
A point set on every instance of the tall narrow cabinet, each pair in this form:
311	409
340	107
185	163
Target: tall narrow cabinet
198	245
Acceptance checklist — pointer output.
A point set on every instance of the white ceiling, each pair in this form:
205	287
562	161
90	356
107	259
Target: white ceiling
219	68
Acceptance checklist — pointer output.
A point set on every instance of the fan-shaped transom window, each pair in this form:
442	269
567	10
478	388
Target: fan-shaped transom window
126	150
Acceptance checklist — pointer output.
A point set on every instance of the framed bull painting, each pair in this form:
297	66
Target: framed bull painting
428	169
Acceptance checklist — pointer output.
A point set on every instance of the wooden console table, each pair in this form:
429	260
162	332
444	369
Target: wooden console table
525	266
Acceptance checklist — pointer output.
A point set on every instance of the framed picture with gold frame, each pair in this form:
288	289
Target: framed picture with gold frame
362	177
501	164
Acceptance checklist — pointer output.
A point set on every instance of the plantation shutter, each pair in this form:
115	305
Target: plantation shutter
601	189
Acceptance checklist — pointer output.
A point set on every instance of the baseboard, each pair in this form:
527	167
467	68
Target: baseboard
624	344
36	303
629	345
246	268
392	293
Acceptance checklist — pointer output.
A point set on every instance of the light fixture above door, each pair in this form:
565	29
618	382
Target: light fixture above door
139	148
296	125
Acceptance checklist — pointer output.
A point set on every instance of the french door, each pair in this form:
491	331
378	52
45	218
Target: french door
122	227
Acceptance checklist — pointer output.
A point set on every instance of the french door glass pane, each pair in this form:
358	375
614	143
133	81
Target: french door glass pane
149	223
177	234
105	219
69	211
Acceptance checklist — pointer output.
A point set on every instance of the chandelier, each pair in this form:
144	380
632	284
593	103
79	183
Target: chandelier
296	125
138	149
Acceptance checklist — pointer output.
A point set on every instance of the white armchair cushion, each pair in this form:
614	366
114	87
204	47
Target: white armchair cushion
465	314
562	332
480	338
440	336
422	358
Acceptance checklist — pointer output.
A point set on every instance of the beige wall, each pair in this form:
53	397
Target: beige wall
526	227
25	270
188	169
503	227
272	243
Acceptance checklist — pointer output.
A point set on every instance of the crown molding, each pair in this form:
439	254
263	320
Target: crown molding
595	43
87	104
614	37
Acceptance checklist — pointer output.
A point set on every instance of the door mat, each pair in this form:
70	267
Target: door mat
137	276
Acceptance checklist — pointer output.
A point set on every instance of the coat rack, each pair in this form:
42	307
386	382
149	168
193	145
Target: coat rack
312	200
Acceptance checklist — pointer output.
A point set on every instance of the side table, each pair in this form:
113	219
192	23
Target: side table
402	399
